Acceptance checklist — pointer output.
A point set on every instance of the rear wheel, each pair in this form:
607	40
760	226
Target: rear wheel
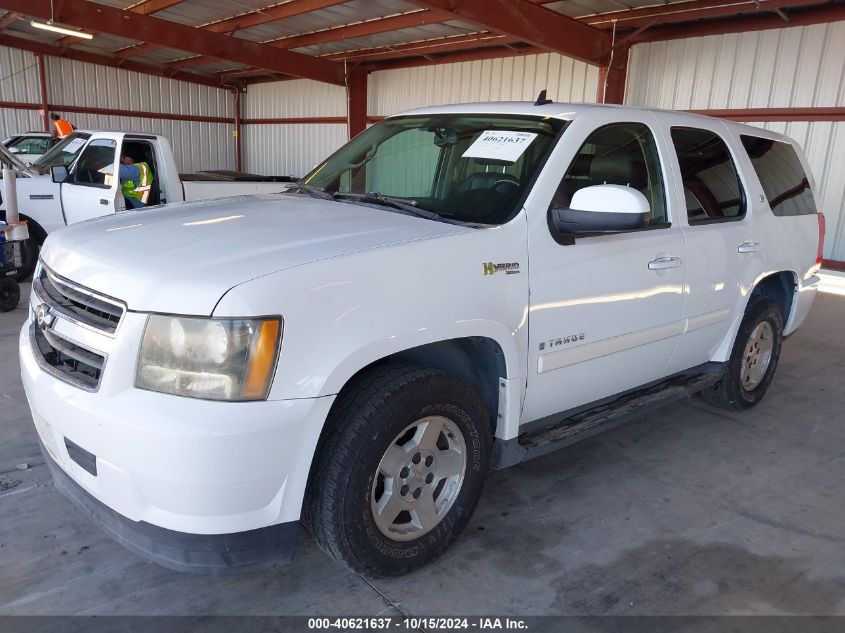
754	358
10	294
401	471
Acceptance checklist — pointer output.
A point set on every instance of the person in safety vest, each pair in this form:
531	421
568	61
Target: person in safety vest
61	127
136	181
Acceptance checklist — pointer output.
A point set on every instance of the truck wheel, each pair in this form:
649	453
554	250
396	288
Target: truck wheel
10	294
401	471
754	359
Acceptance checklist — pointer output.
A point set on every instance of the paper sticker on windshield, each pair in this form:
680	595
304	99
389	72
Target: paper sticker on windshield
500	145
74	145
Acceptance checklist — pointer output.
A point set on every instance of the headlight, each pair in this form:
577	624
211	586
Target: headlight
215	359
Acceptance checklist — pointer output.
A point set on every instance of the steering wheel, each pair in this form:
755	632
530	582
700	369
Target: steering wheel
489	180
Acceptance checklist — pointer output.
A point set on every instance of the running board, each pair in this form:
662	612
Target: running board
580	426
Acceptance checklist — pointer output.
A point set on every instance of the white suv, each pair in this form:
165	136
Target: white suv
457	288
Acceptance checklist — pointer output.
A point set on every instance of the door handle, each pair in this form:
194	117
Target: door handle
749	247
662	263
103	201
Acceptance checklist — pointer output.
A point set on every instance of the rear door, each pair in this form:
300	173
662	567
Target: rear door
724	244
92	188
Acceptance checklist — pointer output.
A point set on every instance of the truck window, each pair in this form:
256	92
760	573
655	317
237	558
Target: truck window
781	174
466	167
617	154
712	188
95	167
31	145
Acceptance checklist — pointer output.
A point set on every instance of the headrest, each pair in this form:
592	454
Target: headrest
619	169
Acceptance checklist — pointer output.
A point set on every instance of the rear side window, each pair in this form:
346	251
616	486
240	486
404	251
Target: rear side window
712	188
779	169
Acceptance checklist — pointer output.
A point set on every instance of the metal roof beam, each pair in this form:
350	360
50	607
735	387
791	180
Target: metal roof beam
9	19
247	20
425	47
145	7
104	60
89	15
529	23
814	15
687	11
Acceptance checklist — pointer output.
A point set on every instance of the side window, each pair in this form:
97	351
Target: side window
95	167
617	154
779	169
32	145
712	189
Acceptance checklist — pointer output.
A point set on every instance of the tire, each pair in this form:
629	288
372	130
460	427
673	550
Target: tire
30	259
384	422
758	345
10	294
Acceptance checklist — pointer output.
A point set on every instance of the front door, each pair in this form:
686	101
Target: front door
92	187
605	312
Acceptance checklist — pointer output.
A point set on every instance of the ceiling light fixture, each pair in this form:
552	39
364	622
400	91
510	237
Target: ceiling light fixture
49	26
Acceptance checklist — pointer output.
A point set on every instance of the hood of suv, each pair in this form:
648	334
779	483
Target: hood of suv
182	258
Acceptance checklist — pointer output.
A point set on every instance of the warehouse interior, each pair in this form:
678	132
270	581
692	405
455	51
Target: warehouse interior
725	514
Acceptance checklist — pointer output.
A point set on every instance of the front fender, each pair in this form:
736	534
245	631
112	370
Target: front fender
347	312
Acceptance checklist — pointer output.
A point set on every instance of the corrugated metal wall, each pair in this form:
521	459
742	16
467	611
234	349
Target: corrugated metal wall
283	149
19	84
291	149
505	79
783	68
196	145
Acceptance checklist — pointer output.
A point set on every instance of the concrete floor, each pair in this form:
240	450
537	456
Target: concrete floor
691	511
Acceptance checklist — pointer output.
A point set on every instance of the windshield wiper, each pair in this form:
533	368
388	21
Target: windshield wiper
408	207
311	190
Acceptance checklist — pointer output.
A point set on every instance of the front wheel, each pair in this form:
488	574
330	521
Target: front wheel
402	470
754	358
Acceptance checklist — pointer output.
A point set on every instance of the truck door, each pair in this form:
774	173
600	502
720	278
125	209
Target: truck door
92	188
605	312
724	243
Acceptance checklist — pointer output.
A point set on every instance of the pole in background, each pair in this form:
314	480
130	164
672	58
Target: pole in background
42	78
237	131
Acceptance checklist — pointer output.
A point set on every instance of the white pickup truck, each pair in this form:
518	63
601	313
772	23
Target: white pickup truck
77	180
458	288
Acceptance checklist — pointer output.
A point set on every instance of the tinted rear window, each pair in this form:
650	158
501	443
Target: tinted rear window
780	172
712	188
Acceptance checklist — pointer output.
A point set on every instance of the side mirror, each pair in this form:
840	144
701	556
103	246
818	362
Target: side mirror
600	209
59	173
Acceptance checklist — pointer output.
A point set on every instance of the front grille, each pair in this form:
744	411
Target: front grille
78	304
67	360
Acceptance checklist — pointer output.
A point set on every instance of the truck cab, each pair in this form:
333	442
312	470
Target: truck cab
78	179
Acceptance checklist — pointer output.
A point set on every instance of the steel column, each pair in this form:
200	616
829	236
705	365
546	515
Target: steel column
356	101
42	80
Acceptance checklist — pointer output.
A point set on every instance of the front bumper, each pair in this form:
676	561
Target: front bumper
213	554
201	473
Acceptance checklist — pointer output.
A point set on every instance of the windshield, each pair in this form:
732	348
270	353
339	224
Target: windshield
62	153
466	167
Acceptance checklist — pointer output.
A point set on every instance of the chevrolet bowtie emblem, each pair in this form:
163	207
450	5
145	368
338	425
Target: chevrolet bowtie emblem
44	317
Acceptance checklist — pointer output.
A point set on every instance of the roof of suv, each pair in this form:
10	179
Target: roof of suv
569	111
